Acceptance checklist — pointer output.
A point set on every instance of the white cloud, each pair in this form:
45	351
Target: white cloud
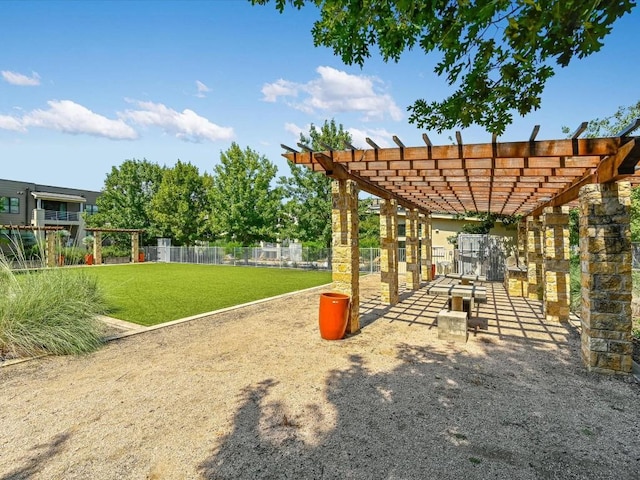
380	136
281	88
21	80
202	89
295	130
186	125
11	123
69	117
337	91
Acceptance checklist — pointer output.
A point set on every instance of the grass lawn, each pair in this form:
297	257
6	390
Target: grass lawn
152	293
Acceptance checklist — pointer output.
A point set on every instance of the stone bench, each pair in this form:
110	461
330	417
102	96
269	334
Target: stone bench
452	326
465	291
466	278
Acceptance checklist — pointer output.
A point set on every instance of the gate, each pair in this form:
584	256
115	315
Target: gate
482	255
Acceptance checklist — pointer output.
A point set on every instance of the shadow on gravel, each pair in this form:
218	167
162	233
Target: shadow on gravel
35	462
443	415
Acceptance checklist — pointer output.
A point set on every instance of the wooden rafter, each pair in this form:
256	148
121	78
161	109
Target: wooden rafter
508	178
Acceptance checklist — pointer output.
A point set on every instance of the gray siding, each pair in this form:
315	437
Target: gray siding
22	191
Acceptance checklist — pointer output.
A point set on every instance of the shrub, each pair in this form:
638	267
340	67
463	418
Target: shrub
49	311
115	251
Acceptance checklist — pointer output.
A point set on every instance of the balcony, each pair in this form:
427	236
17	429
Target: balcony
61	217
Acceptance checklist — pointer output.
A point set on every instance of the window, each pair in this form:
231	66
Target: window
91	209
10	205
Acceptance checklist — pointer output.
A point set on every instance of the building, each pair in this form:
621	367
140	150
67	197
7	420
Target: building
25	203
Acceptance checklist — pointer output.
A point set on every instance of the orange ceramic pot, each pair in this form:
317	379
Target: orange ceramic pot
88	259
334	313
141	257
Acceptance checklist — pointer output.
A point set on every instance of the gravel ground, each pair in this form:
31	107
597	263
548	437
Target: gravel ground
255	393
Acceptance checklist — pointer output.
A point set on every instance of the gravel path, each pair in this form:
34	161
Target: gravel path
255	393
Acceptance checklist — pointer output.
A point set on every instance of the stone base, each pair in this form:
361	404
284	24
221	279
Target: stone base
468	305
452	326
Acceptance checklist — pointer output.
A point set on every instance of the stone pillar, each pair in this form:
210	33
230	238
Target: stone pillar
389	251
135	246
557	281
51	248
413	268
97	248
534	257
425	248
522	242
345	261
605	260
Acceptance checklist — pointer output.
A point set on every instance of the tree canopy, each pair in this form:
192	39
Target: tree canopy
309	193
496	54
126	196
243	205
179	206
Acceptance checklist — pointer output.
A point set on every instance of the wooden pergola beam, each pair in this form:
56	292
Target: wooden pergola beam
339	172
114	230
508	178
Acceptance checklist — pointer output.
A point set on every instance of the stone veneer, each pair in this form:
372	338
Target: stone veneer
555	221
135	247
345	260
51	248
425	248
534	257
97	248
389	252
413	267
605	259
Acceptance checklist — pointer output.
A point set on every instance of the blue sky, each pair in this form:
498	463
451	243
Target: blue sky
86	85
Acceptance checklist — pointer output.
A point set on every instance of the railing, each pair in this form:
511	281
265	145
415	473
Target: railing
61	216
275	257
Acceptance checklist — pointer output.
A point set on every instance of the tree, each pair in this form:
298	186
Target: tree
244	206
368	225
497	54
308	192
126	196
605	127
179	207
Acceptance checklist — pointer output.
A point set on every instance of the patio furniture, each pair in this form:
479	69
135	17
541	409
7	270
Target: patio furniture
466	278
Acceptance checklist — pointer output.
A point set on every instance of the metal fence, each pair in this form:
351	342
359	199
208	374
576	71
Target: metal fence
279	257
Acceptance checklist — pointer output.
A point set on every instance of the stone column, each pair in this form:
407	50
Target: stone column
51	248
389	251
135	246
605	259
557	281
522	242
345	261
97	248
534	257
425	248
413	268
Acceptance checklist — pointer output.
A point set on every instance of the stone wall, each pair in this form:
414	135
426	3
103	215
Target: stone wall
389	252
605	258
557	253
345	259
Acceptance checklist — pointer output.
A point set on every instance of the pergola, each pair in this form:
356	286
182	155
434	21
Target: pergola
97	244
536	179
49	231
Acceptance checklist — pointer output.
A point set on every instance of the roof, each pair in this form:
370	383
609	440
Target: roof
507	178
59	197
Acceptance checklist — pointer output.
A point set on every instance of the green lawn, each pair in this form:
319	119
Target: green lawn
153	293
